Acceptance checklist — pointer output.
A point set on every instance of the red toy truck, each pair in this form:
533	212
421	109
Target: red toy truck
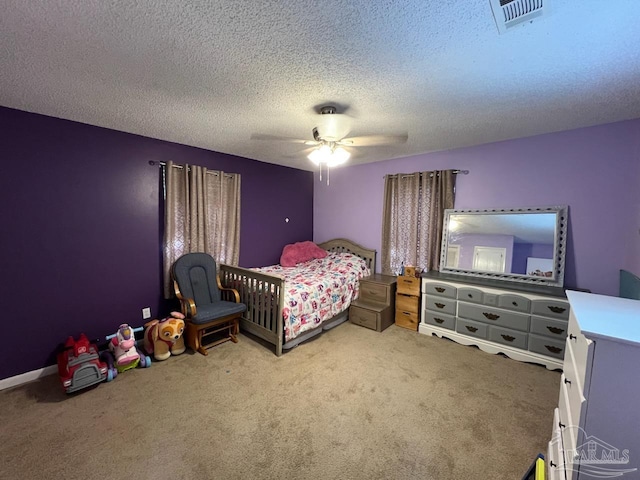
79	364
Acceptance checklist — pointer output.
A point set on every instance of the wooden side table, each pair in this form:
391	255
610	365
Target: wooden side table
408	302
375	306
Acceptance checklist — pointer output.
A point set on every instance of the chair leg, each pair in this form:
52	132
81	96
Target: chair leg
233	330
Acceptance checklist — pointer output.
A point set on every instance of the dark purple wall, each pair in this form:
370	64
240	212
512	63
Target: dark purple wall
82	227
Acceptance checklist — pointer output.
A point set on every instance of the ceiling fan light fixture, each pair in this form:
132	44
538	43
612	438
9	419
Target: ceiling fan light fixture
331	157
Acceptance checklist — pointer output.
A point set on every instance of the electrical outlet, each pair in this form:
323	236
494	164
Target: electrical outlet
146	313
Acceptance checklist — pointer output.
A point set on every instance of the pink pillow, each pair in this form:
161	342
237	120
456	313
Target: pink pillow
300	252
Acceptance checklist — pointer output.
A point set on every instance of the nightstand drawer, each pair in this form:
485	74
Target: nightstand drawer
407	303
375	292
409	285
407	320
363	317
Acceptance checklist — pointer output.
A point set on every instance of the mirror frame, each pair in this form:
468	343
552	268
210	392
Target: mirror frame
559	247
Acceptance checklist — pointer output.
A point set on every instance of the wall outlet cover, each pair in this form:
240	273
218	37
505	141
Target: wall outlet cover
146	313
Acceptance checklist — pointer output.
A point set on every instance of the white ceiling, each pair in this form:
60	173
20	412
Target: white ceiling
213	73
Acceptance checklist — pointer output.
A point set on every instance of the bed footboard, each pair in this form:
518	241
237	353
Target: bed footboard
264	297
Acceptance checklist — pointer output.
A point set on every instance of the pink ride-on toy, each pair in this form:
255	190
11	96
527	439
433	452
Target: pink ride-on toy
123	354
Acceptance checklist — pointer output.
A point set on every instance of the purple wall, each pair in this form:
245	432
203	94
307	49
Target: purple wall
468	241
82	227
595	171
522	251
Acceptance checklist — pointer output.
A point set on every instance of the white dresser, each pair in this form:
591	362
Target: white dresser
596	429
528	323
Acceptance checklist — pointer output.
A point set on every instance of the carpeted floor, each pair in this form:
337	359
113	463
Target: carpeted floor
351	404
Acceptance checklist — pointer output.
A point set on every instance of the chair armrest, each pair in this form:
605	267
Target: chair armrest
187	305
235	293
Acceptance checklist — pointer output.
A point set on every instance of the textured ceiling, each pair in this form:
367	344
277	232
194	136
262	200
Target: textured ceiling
213	73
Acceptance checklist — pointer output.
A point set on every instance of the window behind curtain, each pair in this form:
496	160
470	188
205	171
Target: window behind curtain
414	206
202	214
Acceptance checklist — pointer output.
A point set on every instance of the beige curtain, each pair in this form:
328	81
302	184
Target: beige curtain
413	213
202	214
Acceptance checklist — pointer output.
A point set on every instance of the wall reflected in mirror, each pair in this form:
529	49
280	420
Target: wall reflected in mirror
523	245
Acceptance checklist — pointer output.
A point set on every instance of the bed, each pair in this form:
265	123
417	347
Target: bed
268	295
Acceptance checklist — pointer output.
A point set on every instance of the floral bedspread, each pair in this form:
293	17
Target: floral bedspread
317	290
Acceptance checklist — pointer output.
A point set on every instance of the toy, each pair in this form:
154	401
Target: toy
122	354
164	338
79	364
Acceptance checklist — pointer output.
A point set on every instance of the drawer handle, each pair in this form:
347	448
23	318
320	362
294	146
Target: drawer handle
406	313
491	316
555	330
552	464
440	289
470	295
471	329
553	349
568	382
440	305
561	425
572	337
438	320
556	309
407	281
508	338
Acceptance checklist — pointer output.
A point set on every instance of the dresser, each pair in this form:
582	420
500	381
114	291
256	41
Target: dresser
375	305
408	302
525	322
596	425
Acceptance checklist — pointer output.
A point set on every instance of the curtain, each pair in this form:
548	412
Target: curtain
202	214
412	219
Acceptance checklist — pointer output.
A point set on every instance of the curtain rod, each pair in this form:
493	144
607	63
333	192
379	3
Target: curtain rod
209	172
455	172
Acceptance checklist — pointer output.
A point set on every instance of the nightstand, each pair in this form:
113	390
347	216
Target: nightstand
408	302
375	306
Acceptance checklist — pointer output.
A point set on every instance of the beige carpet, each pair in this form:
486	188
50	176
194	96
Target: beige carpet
351	404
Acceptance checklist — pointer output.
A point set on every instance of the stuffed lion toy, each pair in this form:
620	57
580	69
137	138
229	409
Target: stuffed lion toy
163	338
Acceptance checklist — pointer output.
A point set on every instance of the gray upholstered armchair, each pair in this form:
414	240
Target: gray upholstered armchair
197	286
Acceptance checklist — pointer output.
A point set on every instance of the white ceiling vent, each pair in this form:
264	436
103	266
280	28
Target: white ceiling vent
510	13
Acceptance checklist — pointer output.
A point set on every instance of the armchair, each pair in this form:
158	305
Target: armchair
197	286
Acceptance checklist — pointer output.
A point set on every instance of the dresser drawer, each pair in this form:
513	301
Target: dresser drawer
549	328
469	294
512	338
440	320
408	285
495	316
363	317
375	292
581	348
550	308
550	347
568	427
517	303
407	320
440	304
468	327
407	303
555	457
440	289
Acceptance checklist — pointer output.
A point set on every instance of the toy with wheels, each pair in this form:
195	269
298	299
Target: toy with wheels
122	354
79	364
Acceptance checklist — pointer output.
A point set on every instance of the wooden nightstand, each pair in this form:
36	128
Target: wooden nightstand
408	302
375	306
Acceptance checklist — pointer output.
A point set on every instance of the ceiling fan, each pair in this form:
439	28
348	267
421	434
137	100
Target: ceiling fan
330	145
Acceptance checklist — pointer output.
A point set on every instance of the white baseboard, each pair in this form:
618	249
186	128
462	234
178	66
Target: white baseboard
27	377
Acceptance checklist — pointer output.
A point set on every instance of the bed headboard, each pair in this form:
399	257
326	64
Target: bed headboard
342	245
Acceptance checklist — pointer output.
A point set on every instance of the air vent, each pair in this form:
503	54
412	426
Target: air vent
511	13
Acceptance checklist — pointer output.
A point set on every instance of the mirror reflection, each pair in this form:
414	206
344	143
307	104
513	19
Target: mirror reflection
523	245
509	243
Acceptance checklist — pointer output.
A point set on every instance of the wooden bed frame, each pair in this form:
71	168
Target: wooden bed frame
264	295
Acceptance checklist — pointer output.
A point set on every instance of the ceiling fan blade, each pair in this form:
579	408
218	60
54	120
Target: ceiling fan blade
277	138
301	153
373	140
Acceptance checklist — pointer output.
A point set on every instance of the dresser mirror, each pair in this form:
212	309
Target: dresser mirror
516	244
